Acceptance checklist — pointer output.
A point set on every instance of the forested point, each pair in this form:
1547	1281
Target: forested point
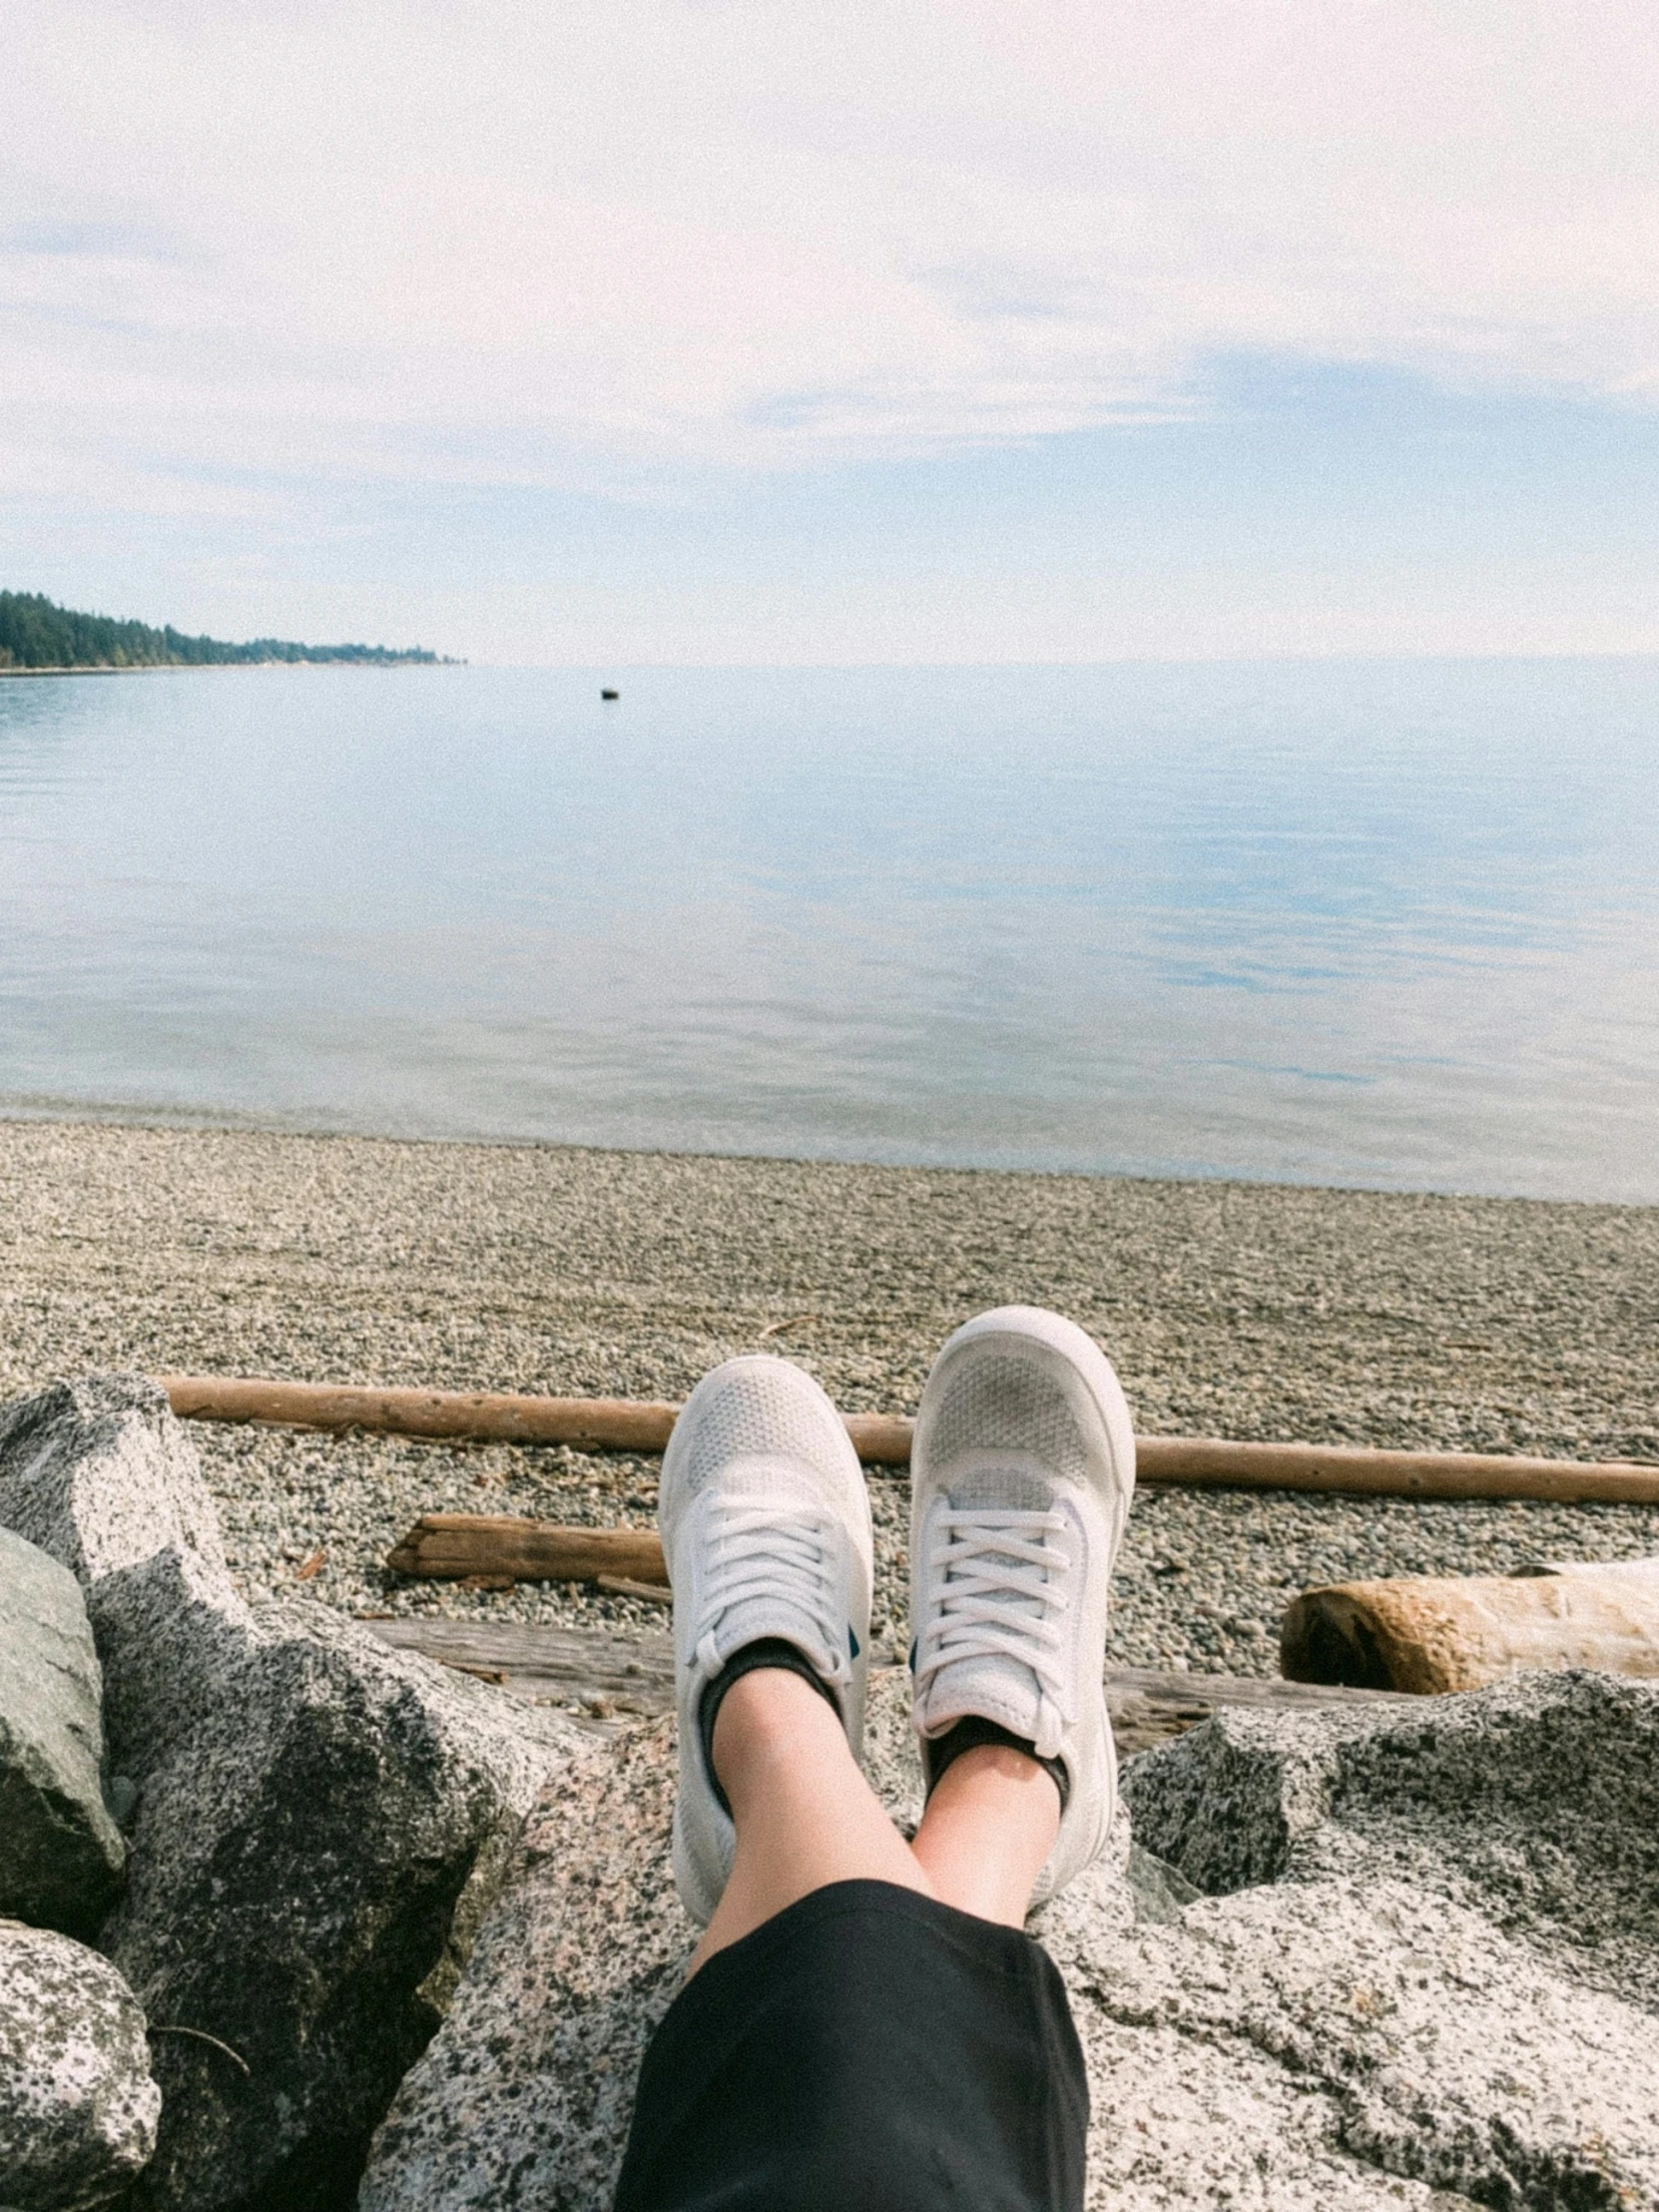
36	634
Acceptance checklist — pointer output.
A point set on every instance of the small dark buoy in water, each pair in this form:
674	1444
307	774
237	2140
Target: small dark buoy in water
610	695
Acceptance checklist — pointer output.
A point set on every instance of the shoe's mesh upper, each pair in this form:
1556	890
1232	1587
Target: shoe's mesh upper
761	1408
1002	1403
1009	1489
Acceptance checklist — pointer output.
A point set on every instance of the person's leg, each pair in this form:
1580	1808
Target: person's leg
1011	1618
870	2025
805	1814
989	1827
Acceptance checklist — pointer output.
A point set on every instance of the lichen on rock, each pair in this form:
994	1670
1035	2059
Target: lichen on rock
78	2106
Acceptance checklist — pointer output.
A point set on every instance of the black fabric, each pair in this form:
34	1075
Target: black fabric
968	1733
868	2050
766	1652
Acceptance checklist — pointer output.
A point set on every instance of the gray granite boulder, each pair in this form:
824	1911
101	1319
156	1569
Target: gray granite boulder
1534	1802
1428	1982
320	1820
78	2106
61	1855
100	1474
524	2095
1446	1917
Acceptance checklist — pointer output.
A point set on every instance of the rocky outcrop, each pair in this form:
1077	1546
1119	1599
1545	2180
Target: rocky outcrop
78	2106
320	1820
1429	1979
61	1855
1406	1955
1440	1926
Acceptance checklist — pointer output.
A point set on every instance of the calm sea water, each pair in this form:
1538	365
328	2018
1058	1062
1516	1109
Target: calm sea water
1390	923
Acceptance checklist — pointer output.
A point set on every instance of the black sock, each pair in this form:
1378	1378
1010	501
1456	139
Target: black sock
968	1733
767	1651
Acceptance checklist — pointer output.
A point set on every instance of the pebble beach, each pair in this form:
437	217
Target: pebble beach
1248	1310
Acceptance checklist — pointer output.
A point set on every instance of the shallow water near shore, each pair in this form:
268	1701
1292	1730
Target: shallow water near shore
1387	923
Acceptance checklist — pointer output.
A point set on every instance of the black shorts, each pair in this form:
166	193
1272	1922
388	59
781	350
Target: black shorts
868	2050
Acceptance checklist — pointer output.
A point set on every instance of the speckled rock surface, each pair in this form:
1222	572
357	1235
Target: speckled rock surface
1403	2009
523	2097
319	1822
61	1855
1451	1916
1534	1802
1353	2041
1234	1310
78	2106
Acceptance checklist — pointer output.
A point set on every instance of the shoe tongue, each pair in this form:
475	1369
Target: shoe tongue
990	1490
754	1620
994	1688
985	1488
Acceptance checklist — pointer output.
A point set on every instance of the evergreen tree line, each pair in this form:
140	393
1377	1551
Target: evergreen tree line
36	634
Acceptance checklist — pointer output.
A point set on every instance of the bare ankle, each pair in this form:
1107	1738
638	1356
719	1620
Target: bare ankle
999	1766
768	1714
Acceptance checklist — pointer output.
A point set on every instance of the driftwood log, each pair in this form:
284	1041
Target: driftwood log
883	1439
455	1547
590	1424
607	1679
1205	1463
1432	1636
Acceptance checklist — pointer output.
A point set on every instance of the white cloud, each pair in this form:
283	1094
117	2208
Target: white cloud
596	242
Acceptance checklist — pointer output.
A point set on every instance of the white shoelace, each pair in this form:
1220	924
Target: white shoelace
758	1554
1000	1593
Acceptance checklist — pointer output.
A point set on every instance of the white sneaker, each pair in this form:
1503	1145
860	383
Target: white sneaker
1021	1471
766	1531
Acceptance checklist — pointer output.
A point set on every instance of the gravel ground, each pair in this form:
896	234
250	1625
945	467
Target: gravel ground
1236	1310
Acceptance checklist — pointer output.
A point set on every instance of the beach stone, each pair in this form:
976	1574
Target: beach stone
318	1826
61	1854
78	2106
1427	1981
98	1473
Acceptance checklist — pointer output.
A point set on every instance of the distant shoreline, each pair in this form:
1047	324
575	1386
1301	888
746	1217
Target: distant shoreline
214	668
34	629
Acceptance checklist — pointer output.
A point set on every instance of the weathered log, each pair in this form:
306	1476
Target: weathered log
609	1424
1430	1635
448	1547
883	1439
611	1678
1353	1471
1621	1570
502	1417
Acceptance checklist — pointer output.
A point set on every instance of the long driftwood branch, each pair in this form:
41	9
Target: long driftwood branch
1432	1635
883	1439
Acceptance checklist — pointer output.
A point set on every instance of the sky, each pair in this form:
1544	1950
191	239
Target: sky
901	330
